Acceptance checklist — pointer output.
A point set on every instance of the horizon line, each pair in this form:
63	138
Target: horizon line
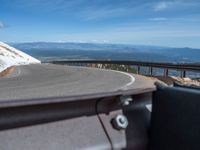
109	43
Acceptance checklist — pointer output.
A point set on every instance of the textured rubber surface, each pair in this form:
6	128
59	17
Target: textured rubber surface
175	119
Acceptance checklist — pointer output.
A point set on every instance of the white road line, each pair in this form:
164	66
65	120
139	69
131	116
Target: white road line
127	74
132	78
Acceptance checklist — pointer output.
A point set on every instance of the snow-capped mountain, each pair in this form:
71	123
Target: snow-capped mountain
10	56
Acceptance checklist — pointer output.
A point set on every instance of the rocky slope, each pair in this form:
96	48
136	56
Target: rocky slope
10	56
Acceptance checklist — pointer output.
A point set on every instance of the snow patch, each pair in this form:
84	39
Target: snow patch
10	56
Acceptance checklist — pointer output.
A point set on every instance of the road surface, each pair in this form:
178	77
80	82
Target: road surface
48	80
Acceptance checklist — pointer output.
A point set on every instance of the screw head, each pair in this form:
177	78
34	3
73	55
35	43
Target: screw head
120	122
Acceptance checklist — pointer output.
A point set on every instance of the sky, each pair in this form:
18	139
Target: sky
174	23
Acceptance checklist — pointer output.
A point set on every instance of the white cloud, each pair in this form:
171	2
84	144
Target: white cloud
160	6
99	41
101	13
158	19
2	25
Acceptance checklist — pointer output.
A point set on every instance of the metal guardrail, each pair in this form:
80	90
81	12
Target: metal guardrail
182	67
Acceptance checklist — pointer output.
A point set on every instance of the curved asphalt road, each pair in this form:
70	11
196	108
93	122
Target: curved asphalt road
48	80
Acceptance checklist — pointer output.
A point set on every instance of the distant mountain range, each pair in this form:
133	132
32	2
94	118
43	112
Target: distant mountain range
53	50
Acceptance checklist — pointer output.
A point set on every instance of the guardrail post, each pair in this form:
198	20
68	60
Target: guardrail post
151	71
166	72
138	69
183	74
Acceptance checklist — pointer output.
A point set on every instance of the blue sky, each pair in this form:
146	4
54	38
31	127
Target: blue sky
173	23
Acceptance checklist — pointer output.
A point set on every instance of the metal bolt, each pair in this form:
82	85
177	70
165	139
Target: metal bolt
125	100
120	122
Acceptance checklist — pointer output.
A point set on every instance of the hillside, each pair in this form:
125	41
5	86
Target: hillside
10	56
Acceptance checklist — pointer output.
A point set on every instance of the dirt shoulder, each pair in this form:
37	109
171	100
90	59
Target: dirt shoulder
7	71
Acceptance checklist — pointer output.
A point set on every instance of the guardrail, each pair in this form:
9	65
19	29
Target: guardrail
182	67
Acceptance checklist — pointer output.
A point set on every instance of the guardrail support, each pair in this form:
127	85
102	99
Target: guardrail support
183	74
138	69
166	72
127	68
151	71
